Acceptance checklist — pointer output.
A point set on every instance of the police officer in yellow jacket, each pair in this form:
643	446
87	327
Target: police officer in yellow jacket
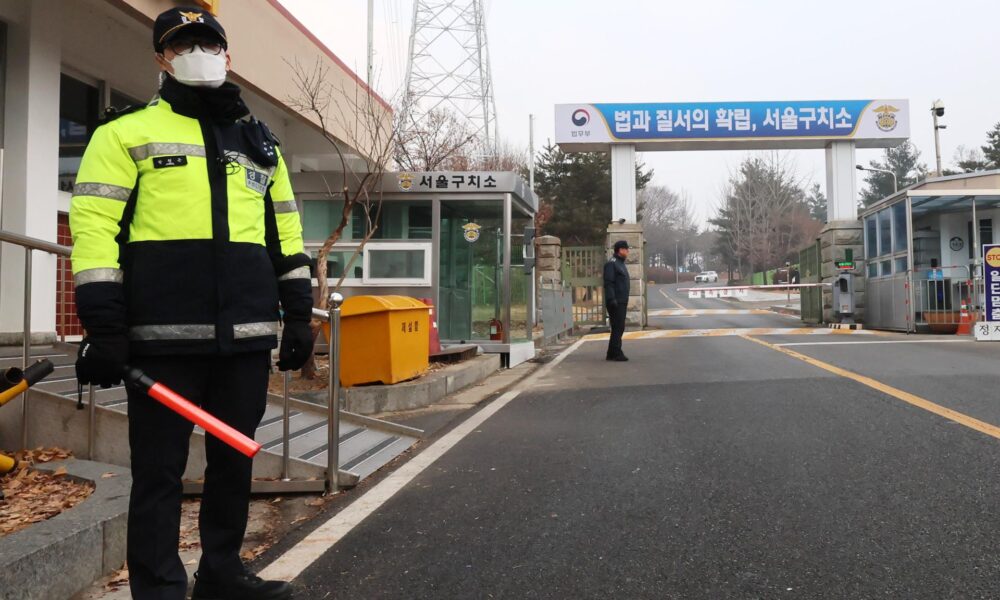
186	240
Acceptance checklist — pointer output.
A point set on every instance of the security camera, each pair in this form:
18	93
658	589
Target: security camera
938	108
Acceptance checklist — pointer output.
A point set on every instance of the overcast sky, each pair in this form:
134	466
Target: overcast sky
567	51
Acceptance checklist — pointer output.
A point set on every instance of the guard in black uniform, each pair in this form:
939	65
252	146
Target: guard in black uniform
616	286
186	240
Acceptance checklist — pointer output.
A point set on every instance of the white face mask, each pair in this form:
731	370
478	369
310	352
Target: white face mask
200	69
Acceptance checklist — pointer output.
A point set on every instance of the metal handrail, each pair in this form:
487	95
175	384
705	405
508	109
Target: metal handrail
31	244
34	243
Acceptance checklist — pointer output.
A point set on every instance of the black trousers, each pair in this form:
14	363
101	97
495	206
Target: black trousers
232	388
616	316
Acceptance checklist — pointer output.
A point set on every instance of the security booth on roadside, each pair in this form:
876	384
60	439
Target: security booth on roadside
923	252
457	238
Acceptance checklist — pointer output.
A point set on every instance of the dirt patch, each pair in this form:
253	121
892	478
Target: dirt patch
299	384
30	496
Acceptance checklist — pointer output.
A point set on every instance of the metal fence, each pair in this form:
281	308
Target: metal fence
809	272
557	307
583	271
941	296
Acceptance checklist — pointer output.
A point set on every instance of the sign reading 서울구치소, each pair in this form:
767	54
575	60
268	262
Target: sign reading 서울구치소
799	123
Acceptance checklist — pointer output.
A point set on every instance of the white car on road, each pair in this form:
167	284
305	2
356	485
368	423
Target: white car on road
707	277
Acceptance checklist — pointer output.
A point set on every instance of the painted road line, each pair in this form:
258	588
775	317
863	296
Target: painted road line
657	334
293	562
846	343
947	413
676	303
700	312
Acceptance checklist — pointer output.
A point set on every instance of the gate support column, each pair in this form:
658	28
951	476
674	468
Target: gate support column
623	183
843	230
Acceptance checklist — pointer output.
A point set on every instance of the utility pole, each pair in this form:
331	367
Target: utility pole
371	41
937	110
677	262
531	153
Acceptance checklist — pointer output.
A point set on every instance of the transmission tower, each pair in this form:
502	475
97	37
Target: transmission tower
449	67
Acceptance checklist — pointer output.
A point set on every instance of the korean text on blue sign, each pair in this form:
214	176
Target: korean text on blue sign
732	120
991	264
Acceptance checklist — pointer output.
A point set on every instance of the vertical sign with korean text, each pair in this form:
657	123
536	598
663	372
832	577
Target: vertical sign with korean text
989	329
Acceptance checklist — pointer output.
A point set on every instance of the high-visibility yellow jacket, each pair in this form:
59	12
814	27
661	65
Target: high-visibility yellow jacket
173	220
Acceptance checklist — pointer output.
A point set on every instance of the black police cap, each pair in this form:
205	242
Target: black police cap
620	244
187	19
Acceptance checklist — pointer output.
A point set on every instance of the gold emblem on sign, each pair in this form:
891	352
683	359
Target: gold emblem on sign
993	257
405	181
471	233
886	117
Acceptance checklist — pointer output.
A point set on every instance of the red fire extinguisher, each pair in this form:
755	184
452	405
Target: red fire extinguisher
496	330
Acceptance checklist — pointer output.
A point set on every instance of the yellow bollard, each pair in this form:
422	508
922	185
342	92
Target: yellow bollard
7	464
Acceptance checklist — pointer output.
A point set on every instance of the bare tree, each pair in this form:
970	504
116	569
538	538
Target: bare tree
430	144
443	141
763	214
366	127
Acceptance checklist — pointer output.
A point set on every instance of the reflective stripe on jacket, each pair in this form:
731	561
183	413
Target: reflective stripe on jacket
173	209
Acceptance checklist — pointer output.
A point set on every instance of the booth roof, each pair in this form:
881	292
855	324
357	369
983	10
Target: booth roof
940	193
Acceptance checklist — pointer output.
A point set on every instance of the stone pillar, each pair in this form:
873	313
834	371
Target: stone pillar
548	267
29	204
632	233
548	263
835	239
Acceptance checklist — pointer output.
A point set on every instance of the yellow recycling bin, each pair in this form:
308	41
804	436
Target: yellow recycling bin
383	339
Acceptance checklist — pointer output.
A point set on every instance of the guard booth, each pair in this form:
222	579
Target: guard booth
457	238
923	252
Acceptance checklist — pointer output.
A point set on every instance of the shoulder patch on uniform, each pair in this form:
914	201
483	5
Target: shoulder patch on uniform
112	113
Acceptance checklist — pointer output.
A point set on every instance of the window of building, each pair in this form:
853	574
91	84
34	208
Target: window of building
397	264
397	221
78	115
871	239
884	232
899	241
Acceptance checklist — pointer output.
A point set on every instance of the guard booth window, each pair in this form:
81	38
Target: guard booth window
886	242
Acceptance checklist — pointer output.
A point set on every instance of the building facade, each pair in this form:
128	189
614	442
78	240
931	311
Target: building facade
63	63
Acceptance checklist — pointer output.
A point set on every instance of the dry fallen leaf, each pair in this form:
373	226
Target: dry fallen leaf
314	502
109	475
59	472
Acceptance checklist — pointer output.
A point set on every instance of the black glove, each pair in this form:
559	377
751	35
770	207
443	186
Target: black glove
102	359
296	345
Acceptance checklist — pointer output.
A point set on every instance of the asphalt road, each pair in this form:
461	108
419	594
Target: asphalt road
671	309
805	466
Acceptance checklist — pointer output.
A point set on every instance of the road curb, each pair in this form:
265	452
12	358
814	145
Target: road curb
57	558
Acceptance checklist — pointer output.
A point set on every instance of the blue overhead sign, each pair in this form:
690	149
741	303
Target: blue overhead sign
764	124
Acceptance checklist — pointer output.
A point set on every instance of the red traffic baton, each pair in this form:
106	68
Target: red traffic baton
187	409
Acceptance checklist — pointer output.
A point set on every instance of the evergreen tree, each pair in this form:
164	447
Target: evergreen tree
904	161
574	190
816	201
991	151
